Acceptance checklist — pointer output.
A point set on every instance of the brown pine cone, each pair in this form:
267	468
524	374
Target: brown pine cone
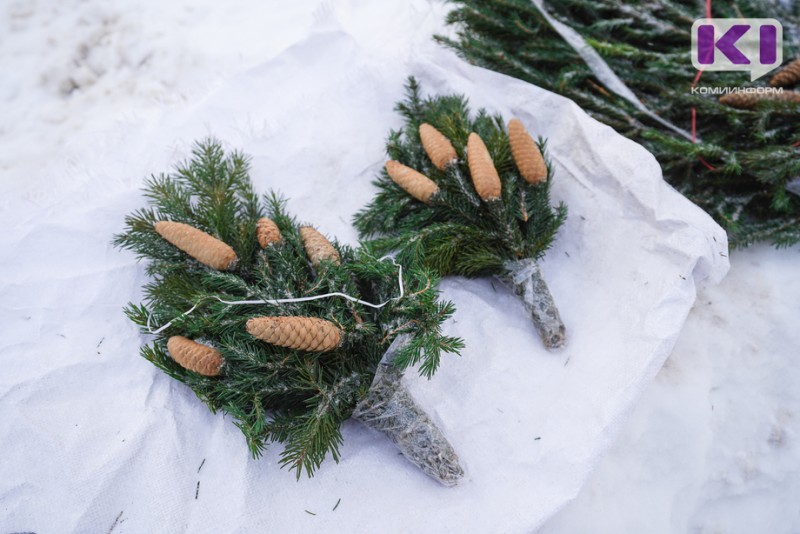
195	356
415	183
267	232
793	97
481	167
439	148
739	100
526	154
317	247
788	75
206	249
751	100
302	333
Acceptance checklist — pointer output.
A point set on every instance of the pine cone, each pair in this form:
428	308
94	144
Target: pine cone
206	249
303	333
751	100
526	154
415	183
195	356
439	148
318	248
788	75
267	232
739	100
792	97
481	167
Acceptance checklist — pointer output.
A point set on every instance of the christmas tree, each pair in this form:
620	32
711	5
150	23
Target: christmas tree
737	164
462	196
270	322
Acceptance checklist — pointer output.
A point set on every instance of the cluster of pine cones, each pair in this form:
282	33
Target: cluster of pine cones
302	333
441	152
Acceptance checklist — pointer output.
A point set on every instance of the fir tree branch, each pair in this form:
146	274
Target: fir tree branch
274	394
746	157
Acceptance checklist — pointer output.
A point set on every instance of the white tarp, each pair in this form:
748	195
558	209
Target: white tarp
94	437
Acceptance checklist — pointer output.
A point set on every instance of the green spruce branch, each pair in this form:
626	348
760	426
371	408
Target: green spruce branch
743	159
274	394
456	232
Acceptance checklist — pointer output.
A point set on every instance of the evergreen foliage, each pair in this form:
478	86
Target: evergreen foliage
456	232
738	168
275	394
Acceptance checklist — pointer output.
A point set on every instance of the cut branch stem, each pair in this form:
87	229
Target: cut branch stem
525	278
389	407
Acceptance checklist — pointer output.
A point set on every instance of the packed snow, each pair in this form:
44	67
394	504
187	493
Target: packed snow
710	447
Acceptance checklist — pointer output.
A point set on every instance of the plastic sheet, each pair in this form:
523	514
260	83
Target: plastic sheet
524	277
92	434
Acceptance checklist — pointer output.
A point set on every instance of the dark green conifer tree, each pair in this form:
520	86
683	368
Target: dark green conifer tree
742	161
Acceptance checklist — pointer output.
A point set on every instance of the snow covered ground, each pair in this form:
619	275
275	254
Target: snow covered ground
712	446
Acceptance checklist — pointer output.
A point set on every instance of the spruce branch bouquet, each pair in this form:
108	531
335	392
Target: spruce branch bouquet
464	197
270	322
737	157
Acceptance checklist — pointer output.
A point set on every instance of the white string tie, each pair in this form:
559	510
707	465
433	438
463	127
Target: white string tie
275	302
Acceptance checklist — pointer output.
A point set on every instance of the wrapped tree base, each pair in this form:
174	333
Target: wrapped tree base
525	278
390	408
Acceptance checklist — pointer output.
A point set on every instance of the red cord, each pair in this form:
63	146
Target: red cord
694	110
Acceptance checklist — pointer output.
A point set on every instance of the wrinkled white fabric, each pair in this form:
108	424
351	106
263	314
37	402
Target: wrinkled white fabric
92	434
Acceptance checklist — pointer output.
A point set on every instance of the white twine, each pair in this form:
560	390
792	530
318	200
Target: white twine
287	301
